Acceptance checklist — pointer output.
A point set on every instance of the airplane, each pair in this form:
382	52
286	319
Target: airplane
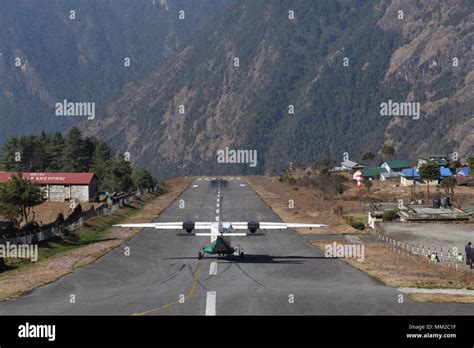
220	232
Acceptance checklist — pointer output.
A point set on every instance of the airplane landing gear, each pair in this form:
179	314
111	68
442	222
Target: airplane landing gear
239	252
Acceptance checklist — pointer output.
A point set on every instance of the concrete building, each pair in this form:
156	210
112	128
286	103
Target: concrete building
61	187
376	211
388	176
351	165
409	176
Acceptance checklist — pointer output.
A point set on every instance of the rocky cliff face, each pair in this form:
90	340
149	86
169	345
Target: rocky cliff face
436	62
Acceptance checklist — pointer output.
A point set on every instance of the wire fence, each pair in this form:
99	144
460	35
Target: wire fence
448	257
71	222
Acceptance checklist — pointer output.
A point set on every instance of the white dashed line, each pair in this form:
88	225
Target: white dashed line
242	185
213	268
217	218
211	303
195	185
217	211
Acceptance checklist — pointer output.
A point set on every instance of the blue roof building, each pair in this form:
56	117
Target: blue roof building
444	173
410	173
463	172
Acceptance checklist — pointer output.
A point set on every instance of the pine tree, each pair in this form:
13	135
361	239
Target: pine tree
75	158
54	148
100	164
118	177
11	148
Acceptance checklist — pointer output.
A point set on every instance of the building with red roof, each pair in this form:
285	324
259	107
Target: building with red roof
60	187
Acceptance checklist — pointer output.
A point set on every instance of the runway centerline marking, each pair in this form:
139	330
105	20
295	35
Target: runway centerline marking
213	268
190	293
211	303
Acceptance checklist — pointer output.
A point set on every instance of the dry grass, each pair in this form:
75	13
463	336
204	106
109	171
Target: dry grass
310	205
149	207
47	212
442	298
401	271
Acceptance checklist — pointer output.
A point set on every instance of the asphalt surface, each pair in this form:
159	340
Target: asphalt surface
281	273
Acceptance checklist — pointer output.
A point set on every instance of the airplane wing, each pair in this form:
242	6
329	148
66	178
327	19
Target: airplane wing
221	234
190	226
169	225
272	225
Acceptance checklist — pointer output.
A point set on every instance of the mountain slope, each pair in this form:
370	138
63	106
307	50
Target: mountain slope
82	59
295	62
437	65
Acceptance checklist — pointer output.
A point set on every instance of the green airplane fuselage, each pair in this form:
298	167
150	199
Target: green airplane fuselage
219	246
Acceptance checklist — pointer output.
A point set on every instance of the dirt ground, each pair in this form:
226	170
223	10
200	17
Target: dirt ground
309	205
440	235
47	212
401	271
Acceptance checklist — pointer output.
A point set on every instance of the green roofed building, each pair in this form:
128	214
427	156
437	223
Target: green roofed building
441	160
394	166
373	172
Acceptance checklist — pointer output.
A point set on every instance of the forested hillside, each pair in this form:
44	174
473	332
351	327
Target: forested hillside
298	80
84	51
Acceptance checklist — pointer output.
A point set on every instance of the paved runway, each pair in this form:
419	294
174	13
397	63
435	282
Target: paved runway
281	274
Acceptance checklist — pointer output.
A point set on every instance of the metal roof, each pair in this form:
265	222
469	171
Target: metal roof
397	164
52	178
443	171
368	172
351	164
410	173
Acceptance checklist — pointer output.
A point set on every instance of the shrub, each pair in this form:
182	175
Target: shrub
390	215
358	225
